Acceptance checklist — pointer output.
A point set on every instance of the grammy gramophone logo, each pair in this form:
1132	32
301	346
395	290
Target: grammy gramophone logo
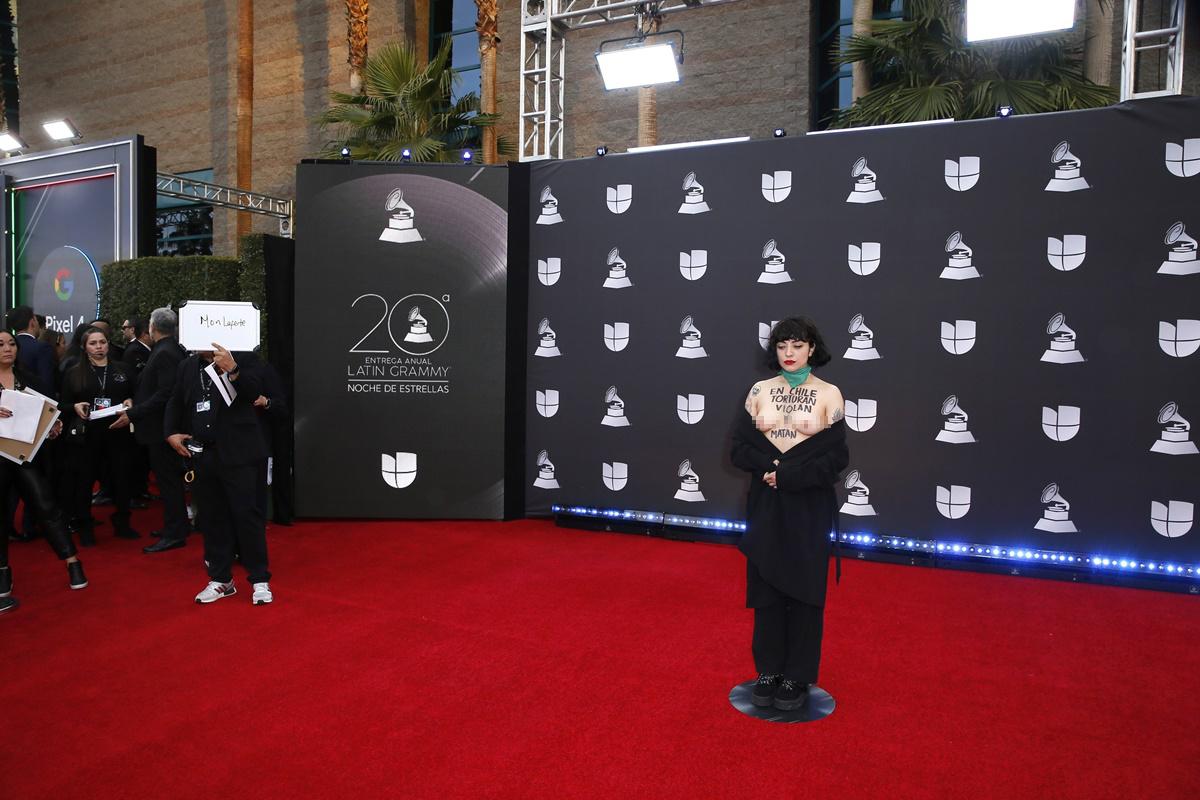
549	270
1181	252
1180	338
1062	348
863	258
777	185
691	346
958	337
953	502
764	332
1068	175
546	401
1183	159
1056	512
1067	253
962	173
545	472
690	408
954	423
615	475
619	197
549	214
862	341
618	273
1173	518
1061	423
401	226
614	410
689	483
861	414
1175	435
418	327
399	470
774	264
616	336
693	264
547	341
693	196
959	266
864	190
858	496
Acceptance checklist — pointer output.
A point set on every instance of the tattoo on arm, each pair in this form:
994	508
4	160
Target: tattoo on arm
837	415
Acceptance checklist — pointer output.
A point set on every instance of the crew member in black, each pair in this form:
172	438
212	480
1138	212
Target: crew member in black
224	447
149	404
94	384
792	440
33	487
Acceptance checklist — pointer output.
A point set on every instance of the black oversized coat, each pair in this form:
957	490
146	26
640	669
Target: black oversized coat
788	528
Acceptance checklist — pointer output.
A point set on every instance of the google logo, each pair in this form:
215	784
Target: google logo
63	285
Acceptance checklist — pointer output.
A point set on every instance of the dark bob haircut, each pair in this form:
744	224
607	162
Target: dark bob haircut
798	329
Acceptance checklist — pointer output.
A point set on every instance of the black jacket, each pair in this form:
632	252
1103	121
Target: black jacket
237	438
788	527
154	389
37	359
135	357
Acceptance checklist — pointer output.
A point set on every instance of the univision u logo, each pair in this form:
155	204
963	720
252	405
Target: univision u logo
1061	423
1067	253
958	337
1180	338
615	475
689	407
619	197
1183	160
954	502
399	470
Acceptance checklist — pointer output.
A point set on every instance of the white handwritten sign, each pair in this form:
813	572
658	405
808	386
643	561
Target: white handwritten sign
232	325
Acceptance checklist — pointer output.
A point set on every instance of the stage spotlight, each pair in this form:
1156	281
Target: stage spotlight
11	143
406	154
602	150
780	133
632	62
467	155
61	130
1004	111
345	152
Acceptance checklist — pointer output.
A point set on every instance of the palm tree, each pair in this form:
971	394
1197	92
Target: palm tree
405	106
356	38
487	26
923	68
244	115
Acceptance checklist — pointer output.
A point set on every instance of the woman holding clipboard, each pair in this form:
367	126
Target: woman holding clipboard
33	488
91	387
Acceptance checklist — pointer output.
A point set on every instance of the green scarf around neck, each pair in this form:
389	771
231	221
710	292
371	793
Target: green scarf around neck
796	378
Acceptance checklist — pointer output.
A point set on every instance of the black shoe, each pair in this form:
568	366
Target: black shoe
9	604
5	581
126	533
791	695
764	690
75	573
156	534
22	537
139	503
164	544
101	499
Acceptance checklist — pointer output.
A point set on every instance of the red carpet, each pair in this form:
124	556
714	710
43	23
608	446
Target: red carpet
440	660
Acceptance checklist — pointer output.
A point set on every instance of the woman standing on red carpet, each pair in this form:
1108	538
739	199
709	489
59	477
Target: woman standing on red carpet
33	487
792	441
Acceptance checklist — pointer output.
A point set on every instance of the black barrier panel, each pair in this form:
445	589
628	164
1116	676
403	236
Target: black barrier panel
1013	306
400	328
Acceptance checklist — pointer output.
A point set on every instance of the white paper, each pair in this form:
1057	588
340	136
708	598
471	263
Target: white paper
53	419
104	413
223	384
233	325
26	414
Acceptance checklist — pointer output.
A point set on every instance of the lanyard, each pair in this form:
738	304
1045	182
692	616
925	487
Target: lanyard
205	385
102	378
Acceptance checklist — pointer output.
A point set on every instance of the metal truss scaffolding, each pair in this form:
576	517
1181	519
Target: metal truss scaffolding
227	197
1162	74
544	24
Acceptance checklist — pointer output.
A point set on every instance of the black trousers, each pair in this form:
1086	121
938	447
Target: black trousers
38	495
105	458
229	514
168	473
787	632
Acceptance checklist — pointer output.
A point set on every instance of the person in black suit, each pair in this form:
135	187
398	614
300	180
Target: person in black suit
225	447
150	398
34	356
137	353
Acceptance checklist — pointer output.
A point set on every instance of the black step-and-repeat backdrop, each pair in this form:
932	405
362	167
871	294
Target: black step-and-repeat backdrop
1013	306
400	340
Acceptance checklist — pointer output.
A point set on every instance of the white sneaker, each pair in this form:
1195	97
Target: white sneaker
262	594
215	591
